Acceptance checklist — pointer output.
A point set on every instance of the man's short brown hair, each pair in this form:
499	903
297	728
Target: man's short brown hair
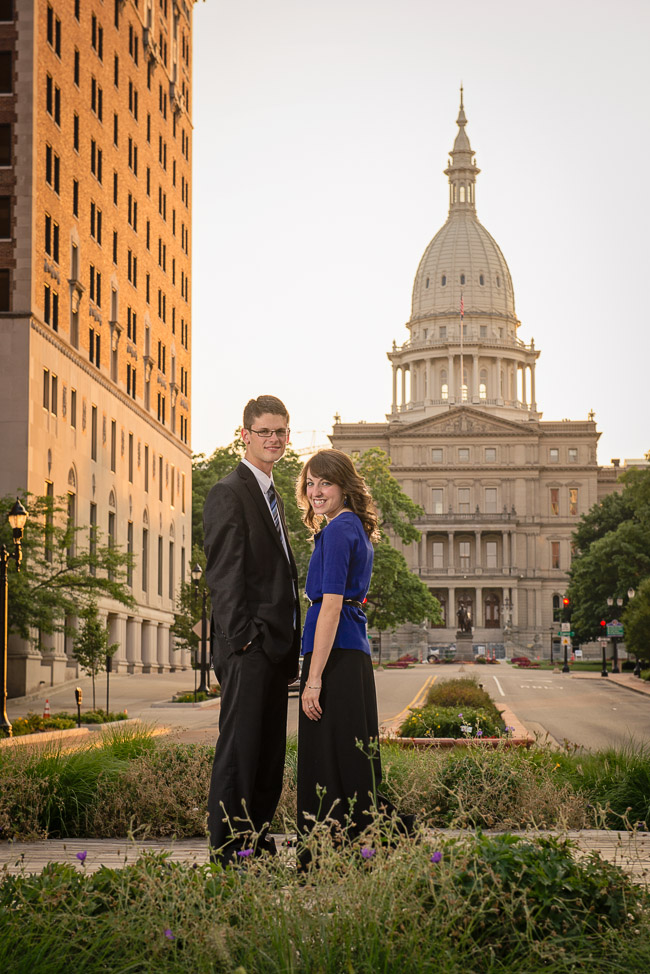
263	404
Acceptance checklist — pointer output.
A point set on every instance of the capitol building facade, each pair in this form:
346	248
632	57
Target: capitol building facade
502	490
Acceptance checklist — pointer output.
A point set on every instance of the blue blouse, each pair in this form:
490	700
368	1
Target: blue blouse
341	564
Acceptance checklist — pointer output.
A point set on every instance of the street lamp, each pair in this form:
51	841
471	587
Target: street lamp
619	603
197	571
17	517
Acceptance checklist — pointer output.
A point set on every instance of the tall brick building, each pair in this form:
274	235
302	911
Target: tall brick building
95	325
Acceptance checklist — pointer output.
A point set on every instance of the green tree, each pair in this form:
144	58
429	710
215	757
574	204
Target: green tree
636	619
396	595
613	542
206	471
91	646
64	568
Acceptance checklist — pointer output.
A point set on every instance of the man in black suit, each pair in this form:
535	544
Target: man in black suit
251	574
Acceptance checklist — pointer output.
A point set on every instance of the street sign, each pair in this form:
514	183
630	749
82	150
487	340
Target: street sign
572	634
198	629
566	627
566	640
615	629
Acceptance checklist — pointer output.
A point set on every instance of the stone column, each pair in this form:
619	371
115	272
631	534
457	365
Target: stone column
524	392
477	553
117	634
148	651
515	607
499	390
513	549
533	400
450	378
475	395
452	622
162	647
479	609
394	407
173	654
403	387
451	555
134	644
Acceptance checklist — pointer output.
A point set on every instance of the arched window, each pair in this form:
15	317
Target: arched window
464	390
462	194
556	608
444	388
462	278
427	282
482	389
498	281
443	280
481	280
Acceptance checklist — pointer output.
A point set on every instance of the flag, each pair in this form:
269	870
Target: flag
462	307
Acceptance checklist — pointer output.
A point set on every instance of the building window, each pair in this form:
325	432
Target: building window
554	455
97	99
131	375
113	445
437	498
75	198
491	554
54	401
437	555
573	455
443	280
93	433
464	555
53	31
171	570
481	280
463	454
555	501
5	289
73	408
46	389
436	454
130	458
145	559
129	551
555	554
146	468
97	37
463	500
490	500
160	564
6	137
52	168
462	278
573	501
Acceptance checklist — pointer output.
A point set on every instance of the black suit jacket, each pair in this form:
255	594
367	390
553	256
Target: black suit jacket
251	581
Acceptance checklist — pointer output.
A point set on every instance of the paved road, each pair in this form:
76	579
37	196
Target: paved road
587	710
148	696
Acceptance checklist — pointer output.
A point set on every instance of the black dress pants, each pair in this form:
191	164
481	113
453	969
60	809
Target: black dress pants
248	768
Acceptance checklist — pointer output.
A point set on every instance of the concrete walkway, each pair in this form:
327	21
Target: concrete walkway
629	850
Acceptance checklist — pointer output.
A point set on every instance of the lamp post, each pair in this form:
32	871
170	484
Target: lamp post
619	603
196	576
17	517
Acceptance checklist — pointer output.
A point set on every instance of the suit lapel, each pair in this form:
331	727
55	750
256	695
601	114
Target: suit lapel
255	491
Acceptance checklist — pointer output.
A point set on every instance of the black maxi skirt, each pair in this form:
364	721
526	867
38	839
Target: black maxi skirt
339	768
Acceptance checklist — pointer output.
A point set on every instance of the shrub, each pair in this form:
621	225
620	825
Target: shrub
34	723
212	694
433	721
480	904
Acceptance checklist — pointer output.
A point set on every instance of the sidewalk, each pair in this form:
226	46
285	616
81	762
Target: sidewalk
629	850
627	680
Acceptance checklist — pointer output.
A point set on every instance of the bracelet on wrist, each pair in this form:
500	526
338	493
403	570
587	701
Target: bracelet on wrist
319	687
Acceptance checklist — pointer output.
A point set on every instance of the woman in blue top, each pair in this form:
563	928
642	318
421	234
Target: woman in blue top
338	763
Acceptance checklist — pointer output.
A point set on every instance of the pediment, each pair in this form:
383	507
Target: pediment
464	421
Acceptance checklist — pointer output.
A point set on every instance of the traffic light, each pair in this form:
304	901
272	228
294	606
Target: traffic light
566	607
603	626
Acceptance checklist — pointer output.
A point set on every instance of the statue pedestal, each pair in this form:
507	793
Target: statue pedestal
464	647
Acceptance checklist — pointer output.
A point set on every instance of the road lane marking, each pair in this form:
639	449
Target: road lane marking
415	702
499	686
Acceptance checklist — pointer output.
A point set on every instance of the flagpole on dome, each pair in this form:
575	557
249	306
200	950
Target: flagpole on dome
462	375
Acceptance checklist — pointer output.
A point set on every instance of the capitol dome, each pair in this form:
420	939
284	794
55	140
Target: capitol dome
463	260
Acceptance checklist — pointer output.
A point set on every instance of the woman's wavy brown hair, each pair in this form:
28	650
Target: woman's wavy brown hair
338	468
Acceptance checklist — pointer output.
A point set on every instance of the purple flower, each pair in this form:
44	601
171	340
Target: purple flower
244	853
81	856
437	856
169	934
479	733
367	853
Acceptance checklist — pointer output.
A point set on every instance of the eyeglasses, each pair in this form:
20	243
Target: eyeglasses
264	434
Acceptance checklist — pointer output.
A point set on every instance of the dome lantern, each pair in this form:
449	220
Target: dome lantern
462	170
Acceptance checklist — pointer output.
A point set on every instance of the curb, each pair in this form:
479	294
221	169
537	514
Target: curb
199	705
71	733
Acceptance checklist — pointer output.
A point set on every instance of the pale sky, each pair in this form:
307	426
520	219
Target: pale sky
320	134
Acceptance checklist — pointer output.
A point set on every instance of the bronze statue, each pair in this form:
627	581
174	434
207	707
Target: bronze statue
464	621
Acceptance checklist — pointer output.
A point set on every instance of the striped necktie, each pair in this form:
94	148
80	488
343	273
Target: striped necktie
273	503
